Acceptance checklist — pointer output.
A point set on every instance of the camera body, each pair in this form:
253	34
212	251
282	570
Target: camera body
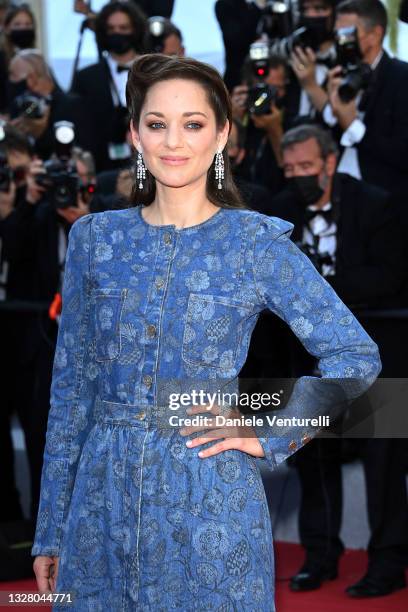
61	181
261	95
30	106
355	73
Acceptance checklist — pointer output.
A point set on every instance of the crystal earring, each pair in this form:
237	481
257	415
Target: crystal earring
140	170
219	168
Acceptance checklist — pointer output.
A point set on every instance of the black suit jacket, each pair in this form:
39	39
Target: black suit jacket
156	7
371	263
383	152
92	84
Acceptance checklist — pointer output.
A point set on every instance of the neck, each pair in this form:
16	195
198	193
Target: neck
326	197
372	54
182	206
124	58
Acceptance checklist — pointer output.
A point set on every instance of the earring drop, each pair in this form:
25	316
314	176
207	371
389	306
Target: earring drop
140	170
219	168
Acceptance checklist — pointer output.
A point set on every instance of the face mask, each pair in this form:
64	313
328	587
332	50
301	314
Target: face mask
23	39
306	189
119	43
317	27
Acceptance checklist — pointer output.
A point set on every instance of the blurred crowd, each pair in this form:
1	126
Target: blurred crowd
319	138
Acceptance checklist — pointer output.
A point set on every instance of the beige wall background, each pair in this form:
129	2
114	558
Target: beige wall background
38	7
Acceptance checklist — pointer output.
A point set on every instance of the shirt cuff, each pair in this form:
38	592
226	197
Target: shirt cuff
328	115
354	133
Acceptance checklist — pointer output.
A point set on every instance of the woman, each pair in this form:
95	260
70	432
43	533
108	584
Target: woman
19	33
20	29
161	299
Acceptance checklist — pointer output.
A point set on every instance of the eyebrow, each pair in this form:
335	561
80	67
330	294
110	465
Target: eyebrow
184	114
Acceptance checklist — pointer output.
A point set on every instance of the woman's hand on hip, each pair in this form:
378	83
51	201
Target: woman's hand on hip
239	437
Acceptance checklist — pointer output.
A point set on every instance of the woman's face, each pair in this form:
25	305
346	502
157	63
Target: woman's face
21	21
177	133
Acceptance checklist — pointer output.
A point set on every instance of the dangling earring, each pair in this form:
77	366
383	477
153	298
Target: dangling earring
141	170
219	168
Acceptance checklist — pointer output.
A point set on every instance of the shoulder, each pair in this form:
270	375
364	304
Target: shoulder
354	191
103	220
270	227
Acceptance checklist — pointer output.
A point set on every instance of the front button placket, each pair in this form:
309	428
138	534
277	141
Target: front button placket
166	239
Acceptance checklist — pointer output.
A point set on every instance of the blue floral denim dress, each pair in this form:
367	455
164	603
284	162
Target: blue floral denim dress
139	521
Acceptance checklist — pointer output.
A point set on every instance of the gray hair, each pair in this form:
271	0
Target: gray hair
301	133
36	61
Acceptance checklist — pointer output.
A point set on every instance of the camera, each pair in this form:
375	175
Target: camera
355	73
276	19
29	106
260	95
61	178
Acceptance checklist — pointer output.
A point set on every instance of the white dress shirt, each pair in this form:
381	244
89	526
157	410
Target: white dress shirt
119	79
321	235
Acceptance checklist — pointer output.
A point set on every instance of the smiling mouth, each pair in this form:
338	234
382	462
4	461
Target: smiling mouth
174	161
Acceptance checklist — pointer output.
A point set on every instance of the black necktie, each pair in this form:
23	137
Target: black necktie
311	214
122	68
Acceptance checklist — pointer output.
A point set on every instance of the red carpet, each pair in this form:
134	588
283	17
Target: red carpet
329	598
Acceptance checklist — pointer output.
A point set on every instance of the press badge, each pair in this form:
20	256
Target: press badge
119	150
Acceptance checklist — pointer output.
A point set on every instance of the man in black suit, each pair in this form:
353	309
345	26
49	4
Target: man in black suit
30	75
348	229
238	21
120	34
374	125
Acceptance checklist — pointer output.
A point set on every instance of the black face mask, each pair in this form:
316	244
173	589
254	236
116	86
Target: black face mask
306	189
318	29
23	39
119	43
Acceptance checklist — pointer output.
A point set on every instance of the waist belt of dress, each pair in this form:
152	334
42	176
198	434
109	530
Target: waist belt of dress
137	415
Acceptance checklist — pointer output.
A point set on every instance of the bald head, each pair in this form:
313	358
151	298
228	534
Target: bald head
29	64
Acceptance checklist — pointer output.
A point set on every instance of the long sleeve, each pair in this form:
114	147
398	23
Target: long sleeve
289	285
72	393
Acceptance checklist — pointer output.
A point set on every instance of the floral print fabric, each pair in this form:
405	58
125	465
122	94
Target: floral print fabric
139	521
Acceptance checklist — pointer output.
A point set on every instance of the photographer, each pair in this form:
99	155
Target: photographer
39	102
348	228
310	59
20	356
120	33
164	37
259	106
373	124
17	31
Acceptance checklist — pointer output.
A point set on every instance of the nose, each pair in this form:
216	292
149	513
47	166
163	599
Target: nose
174	137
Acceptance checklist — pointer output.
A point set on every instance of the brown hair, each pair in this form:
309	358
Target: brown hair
153	68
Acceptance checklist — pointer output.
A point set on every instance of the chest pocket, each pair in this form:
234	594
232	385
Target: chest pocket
213	331
108	312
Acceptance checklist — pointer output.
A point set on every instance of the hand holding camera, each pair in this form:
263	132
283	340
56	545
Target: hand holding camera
303	63
345	112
